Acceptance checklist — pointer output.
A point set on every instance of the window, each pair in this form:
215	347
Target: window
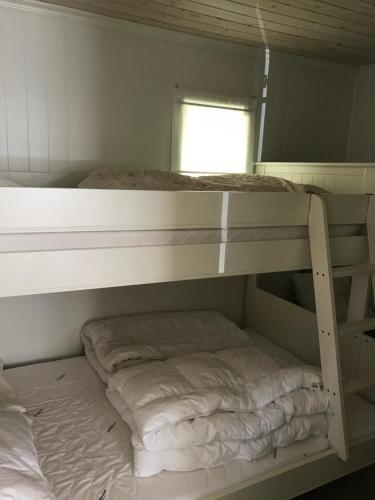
212	134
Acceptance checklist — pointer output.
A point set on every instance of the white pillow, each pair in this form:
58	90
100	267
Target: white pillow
20	474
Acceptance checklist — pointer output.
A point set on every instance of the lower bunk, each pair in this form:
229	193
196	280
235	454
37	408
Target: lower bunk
85	447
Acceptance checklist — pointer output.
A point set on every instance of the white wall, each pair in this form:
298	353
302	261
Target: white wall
77	91
363	134
308	109
47	326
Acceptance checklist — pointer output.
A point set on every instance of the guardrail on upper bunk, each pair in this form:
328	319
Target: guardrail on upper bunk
342	178
32	213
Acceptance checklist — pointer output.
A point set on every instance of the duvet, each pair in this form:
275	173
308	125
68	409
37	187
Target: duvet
204	409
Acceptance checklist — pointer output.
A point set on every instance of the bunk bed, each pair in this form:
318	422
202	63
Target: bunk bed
67	239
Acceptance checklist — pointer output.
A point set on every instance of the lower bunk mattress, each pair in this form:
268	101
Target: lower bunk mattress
84	445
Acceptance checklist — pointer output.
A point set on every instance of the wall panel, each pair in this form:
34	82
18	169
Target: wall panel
80	91
47	326
363	136
308	110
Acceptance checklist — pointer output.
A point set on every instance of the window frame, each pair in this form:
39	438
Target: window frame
183	96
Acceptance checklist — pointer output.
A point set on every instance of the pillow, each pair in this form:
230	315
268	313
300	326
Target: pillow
20	474
124	340
304	292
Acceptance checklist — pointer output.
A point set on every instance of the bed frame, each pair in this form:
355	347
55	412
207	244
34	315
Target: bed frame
341	178
58	211
37	210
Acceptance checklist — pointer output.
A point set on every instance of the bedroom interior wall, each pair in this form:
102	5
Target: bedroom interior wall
79	91
308	114
362	146
43	327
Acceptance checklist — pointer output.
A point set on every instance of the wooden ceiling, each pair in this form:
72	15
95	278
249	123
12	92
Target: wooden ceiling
338	30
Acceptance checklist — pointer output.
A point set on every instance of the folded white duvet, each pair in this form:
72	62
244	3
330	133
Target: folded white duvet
203	409
120	341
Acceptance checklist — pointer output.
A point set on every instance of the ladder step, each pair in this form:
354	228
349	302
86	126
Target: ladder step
357	326
359	384
345	271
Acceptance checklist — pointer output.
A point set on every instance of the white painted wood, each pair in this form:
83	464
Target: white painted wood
308	110
359	384
351	344
346	208
36	52
41	209
269	209
283	255
371	236
302	475
82	91
357	326
35	210
41	327
15	82
294	329
366	364
340	178
46	272
362	147
346	271
327	326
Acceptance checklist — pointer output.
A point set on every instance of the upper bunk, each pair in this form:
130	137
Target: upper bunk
55	239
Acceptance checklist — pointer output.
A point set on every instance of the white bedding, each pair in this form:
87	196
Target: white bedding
20	474
205	409
93	455
126	340
159	180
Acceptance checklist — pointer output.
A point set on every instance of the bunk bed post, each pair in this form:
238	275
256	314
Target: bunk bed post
371	236
327	325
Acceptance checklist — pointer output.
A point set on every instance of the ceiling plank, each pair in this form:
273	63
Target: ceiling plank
238	21
223	17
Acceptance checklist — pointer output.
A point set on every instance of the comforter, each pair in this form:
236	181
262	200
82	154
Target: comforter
120	341
159	180
204	409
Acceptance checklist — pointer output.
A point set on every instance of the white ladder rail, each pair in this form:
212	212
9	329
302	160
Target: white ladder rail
327	325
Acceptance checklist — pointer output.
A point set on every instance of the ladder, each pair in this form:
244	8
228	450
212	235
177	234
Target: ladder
331	334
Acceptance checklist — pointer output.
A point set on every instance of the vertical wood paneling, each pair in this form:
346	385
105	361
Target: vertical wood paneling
3	105
57	102
308	110
77	93
36	43
362	146
85	92
15	81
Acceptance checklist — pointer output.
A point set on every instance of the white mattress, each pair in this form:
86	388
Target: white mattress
110	239
85	449
84	446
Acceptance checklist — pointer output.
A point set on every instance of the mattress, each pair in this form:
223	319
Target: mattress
114	239
84	445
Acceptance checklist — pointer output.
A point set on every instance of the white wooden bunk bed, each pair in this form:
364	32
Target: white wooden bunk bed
56	240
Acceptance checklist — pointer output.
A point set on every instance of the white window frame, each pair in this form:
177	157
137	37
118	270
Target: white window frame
220	101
